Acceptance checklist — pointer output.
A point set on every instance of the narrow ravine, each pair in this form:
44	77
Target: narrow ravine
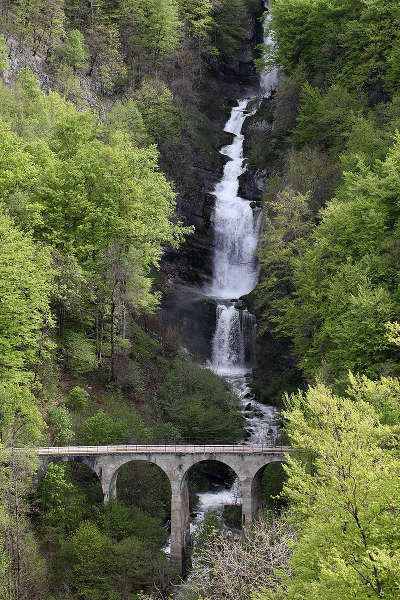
235	273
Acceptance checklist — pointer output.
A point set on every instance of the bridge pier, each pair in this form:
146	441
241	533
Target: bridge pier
180	523
251	499
108	480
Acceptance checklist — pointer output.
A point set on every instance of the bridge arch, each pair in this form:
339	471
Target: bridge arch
89	461
251	485
111	472
225	460
216	484
268	473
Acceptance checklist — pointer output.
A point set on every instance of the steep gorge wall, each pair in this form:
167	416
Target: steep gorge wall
185	311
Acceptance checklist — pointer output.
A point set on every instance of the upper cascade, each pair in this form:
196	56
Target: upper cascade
269	77
236	228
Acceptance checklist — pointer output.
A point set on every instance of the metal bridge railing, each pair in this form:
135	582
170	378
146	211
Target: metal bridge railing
166	448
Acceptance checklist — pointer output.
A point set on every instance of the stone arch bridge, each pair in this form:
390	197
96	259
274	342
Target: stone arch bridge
247	461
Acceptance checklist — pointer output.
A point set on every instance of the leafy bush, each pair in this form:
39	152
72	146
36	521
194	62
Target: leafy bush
78	398
199	403
88	560
100	429
146	486
62	505
61	425
80	353
120	521
74	50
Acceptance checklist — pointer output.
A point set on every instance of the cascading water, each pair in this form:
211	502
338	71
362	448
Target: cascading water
233	343
236	233
235	225
235	274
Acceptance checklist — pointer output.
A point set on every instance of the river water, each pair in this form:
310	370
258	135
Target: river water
235	273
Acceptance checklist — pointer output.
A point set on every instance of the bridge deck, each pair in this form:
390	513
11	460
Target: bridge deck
164	449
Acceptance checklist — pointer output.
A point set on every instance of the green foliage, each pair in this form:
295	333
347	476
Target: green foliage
207	531
108	60
86	217
273	480
230	20
23	570
198	15
121	521
80	353
147	487
20	420
393	73
89	554
286	224
343	293
345	503
61	425
39	23
101	551
126	117
156	26
200	404
25	286
330	291
162	114
350	41
60	505
78	398
74	51
118	194
326	120
102	428
3	55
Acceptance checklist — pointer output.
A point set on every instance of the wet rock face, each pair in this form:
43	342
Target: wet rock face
251	186
193	316
242	65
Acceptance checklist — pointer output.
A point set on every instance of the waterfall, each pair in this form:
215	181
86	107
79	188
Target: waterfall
233	343
235	226
269	77
236	229
235	273
236	232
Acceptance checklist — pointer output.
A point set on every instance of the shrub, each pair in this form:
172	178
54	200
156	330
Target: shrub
80	353
78	398
103	429
199	403
61	424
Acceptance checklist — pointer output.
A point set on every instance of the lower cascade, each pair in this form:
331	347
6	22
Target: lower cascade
233	350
